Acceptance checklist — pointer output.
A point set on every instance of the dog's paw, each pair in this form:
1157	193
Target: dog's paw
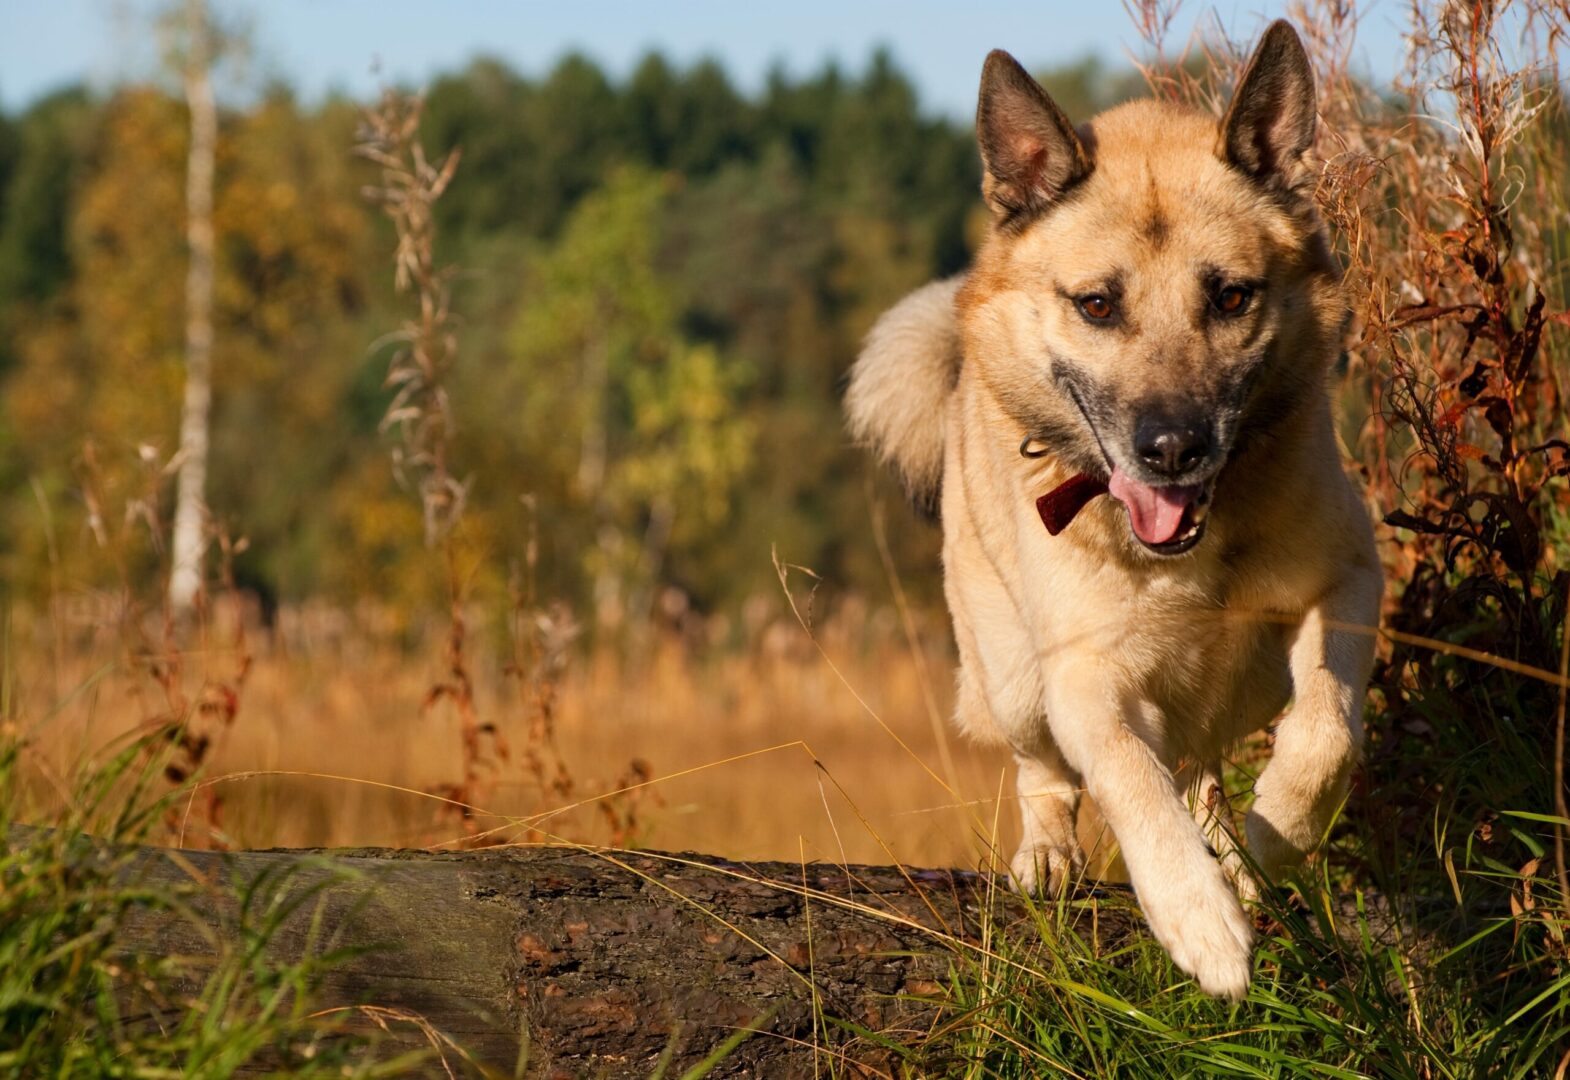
1045	869
1203	927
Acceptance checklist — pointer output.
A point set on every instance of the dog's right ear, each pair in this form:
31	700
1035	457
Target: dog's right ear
1029	152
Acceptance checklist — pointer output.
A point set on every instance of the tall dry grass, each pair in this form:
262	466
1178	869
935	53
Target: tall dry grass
756	752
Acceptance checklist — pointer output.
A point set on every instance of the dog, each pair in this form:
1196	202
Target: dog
1121	415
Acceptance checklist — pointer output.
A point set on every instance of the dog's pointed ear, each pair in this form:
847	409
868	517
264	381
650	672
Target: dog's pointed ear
1270	124
1029	152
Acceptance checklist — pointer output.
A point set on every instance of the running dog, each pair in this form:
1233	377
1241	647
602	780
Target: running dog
1121	415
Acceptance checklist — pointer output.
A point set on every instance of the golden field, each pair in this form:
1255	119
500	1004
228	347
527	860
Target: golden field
829	745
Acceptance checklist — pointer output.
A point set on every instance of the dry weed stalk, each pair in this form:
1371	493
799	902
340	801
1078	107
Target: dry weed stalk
543	637
540	643
178	731
1447	227
421	413
420	410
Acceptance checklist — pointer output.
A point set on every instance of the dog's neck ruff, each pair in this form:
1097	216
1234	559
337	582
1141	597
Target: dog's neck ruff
1059	506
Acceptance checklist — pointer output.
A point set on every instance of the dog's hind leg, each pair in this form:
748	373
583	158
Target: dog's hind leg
999	699
1207	801
1049	854
1318	741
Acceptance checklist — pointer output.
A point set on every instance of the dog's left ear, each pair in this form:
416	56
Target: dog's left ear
1270	124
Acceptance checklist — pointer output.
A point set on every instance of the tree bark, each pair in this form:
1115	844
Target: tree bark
185	578
597	963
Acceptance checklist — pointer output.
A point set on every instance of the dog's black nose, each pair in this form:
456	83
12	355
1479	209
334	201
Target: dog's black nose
1171	447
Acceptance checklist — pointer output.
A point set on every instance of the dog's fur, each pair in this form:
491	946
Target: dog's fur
1110	666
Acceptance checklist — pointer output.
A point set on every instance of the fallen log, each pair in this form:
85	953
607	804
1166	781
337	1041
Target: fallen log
582	962
560	962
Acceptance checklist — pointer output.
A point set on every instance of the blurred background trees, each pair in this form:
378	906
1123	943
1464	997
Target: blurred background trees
662	281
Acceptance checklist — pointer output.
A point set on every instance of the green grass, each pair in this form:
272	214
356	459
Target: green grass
1322	1004
1346	984
73	1003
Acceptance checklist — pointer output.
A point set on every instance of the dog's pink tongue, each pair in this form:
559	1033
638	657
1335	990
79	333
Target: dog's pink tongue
1155	512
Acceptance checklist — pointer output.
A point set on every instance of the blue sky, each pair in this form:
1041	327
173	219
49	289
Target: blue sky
319	45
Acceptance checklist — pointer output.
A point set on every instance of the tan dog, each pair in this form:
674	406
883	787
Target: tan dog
1142	347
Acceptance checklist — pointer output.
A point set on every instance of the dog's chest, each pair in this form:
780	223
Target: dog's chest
1215	673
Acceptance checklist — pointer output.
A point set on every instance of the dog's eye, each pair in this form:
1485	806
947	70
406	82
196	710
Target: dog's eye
1095	307
1233	300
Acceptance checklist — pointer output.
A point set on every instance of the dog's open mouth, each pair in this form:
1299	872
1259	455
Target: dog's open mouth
1168	520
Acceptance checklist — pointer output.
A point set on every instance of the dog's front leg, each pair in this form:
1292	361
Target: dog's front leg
1188	901
1318	741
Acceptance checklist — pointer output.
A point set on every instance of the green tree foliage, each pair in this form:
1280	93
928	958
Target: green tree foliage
102	345
633	427
41	155
692	122
1088	85
662	281
296	256
101	358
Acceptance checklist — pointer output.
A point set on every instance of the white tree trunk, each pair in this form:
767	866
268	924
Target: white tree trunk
185	578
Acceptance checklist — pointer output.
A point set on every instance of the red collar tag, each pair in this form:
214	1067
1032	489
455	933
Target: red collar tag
1058	506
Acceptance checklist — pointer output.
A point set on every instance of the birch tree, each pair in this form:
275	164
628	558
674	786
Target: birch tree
189	541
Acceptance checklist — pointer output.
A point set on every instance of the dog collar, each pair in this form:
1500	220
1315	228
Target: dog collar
1058	506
